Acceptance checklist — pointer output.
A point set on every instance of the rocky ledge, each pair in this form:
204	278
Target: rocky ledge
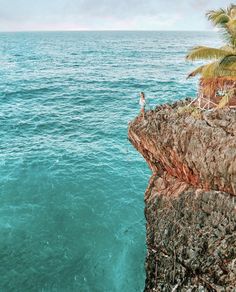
191	197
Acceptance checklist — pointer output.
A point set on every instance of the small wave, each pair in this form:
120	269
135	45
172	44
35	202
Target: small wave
28	91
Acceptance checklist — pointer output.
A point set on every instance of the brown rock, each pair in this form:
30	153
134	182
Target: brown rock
191	198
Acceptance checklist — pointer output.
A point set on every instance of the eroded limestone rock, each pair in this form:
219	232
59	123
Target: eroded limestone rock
191	198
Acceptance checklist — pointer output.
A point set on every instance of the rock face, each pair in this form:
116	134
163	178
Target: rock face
191	198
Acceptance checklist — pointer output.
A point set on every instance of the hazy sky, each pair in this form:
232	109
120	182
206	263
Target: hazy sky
17	15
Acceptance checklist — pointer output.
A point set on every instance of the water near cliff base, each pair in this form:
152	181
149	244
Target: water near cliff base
71	185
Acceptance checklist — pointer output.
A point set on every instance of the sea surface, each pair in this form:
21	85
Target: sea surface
71	185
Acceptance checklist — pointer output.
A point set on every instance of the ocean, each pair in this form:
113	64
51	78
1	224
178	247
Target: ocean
71	185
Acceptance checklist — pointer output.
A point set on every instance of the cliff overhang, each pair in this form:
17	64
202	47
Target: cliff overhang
199	151
190	199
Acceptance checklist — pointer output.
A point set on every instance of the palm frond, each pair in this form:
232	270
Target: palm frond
218	17
215	69
229	49
228	36
225	57
209	70
228	63
231	10
199	53
230	30
224	67
196	72
225	20
228	60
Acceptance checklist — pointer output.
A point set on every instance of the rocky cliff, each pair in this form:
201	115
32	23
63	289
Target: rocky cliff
191	197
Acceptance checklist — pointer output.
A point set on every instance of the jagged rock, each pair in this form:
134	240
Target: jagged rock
191	198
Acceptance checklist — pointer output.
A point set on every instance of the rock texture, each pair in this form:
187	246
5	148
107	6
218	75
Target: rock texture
190	199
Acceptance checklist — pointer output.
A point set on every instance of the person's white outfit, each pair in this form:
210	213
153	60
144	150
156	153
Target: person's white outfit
142	102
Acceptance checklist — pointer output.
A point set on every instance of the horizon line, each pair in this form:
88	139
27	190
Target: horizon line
108	30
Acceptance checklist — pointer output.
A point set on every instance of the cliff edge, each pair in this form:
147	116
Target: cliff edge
191	197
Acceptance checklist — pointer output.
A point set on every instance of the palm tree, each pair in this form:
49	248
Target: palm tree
224	63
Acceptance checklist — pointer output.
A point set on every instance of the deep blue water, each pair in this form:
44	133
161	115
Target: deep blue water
71	185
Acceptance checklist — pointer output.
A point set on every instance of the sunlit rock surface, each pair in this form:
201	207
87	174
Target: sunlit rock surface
190	199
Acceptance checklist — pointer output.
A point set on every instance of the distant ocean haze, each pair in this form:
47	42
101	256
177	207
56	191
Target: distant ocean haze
71	185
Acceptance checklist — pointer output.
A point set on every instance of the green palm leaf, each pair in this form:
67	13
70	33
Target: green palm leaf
218	17
229	49
225	57
228	61
196	71
216	69
206	53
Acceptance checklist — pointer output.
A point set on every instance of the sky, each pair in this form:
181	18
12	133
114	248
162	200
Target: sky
40	15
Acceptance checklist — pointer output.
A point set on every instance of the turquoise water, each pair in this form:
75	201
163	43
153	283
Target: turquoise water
71	185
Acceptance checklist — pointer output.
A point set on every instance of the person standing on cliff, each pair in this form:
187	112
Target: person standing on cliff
142	103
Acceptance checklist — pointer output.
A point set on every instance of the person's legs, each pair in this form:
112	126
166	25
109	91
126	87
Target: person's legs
143	112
